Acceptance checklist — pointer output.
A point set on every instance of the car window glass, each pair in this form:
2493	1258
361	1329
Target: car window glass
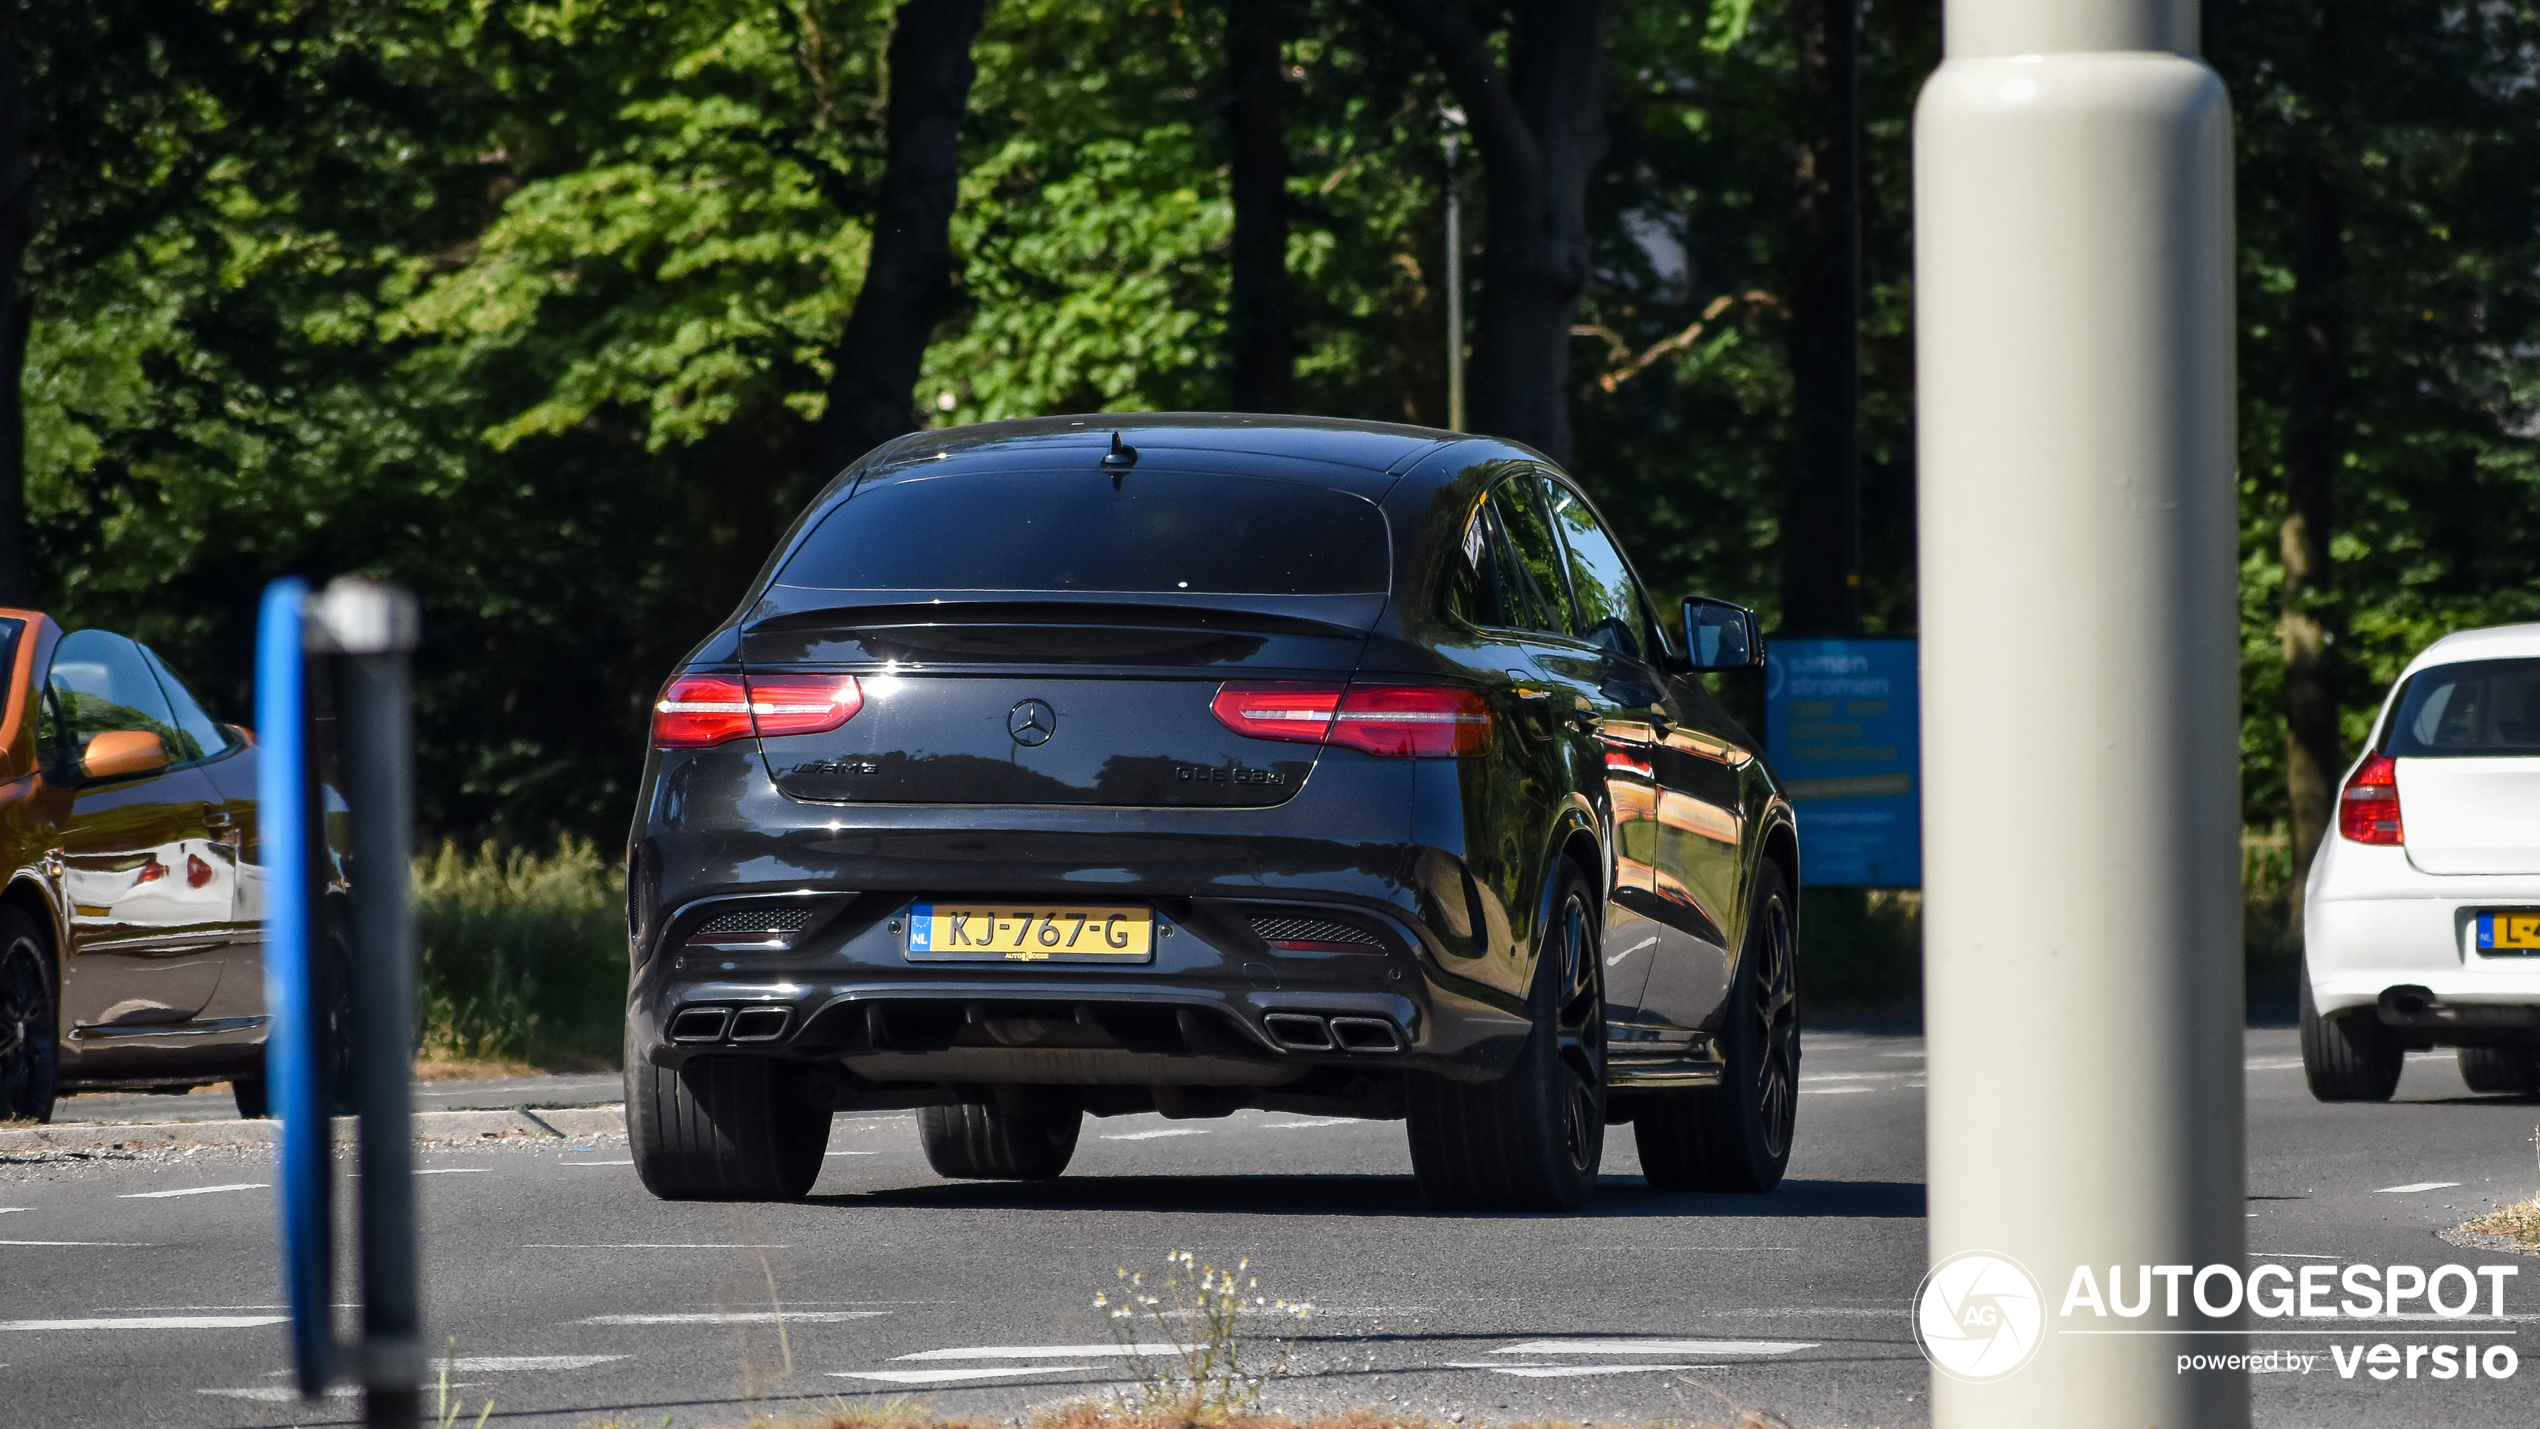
1609	604
2477	707
1147	531
199	735
100	682
1538	553
1477	583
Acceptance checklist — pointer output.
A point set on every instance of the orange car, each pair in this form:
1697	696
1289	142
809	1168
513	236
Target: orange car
131	947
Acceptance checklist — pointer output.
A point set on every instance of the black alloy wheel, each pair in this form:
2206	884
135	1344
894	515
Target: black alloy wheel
1532	1140
30	1050
1737	1136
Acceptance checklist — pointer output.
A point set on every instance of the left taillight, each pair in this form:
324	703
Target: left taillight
697	711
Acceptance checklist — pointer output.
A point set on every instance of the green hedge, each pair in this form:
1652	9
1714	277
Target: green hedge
524	957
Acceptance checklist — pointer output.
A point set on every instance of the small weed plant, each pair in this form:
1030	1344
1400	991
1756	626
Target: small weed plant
1184	1336
2519	1223
445	1412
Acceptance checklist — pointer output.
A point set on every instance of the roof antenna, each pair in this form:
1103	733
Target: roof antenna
1118	460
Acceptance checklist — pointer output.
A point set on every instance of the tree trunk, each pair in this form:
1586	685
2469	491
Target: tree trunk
2315	388
1261	322
1540	127
17	229
908	276
1821	521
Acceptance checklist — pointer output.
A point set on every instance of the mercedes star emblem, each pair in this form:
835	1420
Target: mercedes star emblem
1032	723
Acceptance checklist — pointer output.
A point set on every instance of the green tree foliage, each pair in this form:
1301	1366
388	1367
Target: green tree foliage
528	306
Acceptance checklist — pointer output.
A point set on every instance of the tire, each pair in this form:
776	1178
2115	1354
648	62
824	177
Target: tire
2514	1070
1531	1140
255	1103
981	1141
2350	1057
1736	1137
721	1129
30	1022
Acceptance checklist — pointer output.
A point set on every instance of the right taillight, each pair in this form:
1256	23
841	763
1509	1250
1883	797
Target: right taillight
1395	721
2368	808
699	711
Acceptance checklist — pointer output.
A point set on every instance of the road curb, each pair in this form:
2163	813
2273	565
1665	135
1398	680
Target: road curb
544	1124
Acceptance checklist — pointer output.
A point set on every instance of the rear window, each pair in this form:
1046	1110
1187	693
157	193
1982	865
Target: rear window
2476	707
1200	534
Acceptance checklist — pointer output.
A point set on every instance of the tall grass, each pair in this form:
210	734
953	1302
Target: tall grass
524	956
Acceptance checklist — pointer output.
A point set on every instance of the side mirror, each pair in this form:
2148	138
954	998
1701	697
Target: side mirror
1721	636
122	753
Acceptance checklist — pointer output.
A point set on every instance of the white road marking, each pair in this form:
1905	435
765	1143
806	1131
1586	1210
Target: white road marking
4	1210
628	1162
2415	1186
657	1245
1569	1371
1041	1352
279	1394
148	1322
851	1153
195	1191
1856	1076
948	1376
1829	1091
1656	1347
1302	1125
1152	1135
127	1244
737	1317
430	1171
2272	1064
483	1364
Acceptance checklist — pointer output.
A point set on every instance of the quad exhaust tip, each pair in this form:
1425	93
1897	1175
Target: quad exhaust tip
1306	1032
714	1024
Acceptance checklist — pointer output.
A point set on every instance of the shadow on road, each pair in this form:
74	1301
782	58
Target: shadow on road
1617	1197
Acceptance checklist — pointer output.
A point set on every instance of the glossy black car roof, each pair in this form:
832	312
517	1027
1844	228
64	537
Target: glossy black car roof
1369	446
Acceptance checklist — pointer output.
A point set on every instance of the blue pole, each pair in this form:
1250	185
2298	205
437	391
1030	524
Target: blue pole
291	1052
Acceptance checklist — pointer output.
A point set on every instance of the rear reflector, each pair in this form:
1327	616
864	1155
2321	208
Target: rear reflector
1395	721
2368	809
697	711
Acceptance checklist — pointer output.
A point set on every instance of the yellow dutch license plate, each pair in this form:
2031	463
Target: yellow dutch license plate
1030	933
2509	932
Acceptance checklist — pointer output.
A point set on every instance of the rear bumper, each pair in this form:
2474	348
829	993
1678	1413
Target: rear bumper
2373	924
1218	1007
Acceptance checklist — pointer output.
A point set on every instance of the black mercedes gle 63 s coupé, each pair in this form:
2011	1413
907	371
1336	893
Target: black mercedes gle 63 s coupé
1195	763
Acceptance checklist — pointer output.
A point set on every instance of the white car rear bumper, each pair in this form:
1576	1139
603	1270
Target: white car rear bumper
2372	921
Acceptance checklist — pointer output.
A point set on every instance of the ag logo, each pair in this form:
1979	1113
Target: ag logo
1979	1316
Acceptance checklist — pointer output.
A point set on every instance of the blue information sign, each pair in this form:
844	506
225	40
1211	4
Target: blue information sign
1843	724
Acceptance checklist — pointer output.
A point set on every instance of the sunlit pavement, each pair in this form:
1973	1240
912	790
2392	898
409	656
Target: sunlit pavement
572	1295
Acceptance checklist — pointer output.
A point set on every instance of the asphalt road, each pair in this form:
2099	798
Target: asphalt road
142	1290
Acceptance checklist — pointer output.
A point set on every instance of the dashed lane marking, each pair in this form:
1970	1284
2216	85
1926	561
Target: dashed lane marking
496	1364
4	1210
1569	1371
279	1394
2415	1186
657	1245
1042	1352
427	1171
147	1322
851	1153
1830	1091
1656	1347
628	1162
1152	1135
195	1191
1303	1125
951	1376
737	1317
123	1244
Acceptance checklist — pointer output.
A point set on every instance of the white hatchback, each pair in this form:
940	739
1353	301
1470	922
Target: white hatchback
2421	920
